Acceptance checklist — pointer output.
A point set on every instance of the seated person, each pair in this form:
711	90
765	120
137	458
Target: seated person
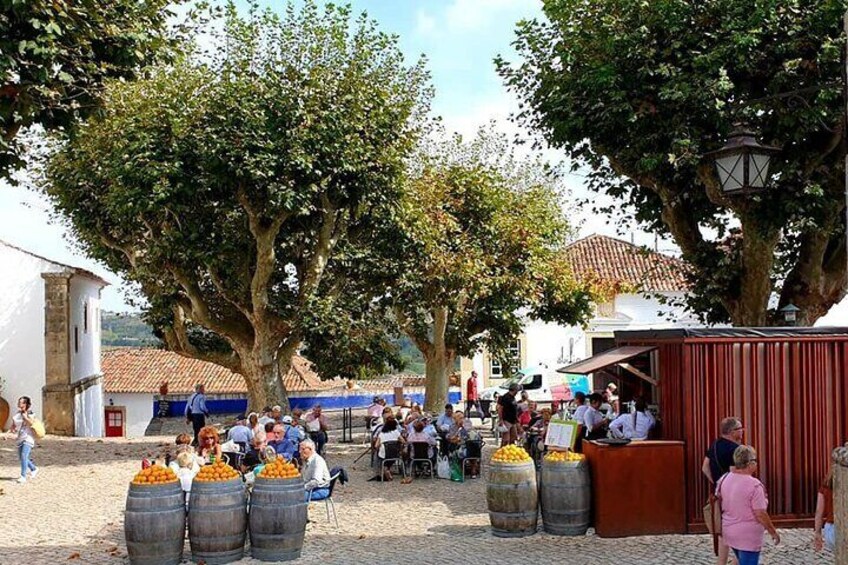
210	446
298	422
445	421
461	432
524	415
292	434
636	425
418	435
183	445
316	427
266	417
414	414
187	469
256	454
375	409
389	432
240	434
316	475
283	446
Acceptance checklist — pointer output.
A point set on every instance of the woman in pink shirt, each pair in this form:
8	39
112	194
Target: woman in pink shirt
743	508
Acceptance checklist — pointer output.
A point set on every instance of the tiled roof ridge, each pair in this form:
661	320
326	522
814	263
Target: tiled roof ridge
606	258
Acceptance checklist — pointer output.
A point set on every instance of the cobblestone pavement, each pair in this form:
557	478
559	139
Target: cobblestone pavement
73	513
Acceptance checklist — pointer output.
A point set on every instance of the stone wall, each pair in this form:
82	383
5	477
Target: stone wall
58	393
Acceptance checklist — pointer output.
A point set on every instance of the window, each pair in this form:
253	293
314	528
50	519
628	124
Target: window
115	419
496	370
76	339
85	317
532	383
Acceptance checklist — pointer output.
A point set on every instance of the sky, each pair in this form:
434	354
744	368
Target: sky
459	38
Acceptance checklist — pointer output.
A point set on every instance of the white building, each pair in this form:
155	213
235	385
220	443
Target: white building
50	341
646	291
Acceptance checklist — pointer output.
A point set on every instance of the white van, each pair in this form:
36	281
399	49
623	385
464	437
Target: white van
542	384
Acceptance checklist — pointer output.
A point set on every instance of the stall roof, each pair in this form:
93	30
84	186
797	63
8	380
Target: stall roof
605	359
683	333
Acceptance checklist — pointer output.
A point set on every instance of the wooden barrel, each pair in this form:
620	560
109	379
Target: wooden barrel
566	497
217	521
154	524
277	519
512	499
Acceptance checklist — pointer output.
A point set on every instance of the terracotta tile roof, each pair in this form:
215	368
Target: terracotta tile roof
616	261
131	369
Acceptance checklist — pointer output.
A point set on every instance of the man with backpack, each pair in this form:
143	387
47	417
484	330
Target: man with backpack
196	411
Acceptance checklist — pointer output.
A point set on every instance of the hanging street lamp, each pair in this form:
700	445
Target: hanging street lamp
743	163
790	314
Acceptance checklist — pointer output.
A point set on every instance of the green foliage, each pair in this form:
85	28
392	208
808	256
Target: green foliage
485	231
56	54
640	91
238	189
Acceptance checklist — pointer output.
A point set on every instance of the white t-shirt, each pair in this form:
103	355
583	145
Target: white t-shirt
387	436
578	414
25	434
591	419
623	426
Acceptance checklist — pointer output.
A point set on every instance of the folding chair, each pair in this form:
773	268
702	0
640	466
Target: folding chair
420	454
473	452
328	502
393	457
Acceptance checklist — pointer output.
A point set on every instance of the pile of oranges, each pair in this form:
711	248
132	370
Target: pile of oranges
511	454
279	469
155	475
563	456
217	472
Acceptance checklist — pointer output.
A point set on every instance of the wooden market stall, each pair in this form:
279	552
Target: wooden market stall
788	385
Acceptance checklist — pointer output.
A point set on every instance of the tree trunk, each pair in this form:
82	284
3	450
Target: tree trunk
437	369
750	307
438	361
255	376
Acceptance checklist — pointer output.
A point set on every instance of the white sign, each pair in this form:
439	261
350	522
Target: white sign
562	433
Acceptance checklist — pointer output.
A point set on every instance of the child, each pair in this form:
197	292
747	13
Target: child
187	468
22	424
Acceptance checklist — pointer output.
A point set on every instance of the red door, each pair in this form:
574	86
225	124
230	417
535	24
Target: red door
114	422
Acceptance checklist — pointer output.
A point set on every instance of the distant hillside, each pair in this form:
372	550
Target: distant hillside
126	329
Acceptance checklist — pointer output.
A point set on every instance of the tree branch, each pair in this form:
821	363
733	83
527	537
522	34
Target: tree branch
176	338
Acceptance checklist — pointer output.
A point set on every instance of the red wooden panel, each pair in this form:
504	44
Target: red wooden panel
790	393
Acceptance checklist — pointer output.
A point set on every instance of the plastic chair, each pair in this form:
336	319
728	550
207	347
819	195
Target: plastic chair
420	454
328	502
393	457
473	452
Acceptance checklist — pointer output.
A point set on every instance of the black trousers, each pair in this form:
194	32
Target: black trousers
469	404
197	422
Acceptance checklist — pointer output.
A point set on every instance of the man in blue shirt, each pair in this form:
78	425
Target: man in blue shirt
196	411
240	433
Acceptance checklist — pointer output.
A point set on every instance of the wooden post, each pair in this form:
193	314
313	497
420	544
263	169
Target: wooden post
840	504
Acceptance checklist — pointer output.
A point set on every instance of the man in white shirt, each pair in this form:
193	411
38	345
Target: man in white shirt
596	425
636	425
316	475
580	401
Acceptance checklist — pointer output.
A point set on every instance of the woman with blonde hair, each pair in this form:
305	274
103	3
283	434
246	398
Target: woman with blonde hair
744	518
